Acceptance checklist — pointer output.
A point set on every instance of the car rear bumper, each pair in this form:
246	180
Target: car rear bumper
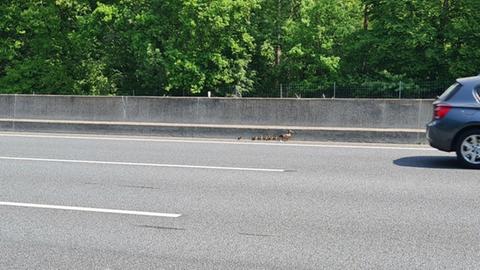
440	138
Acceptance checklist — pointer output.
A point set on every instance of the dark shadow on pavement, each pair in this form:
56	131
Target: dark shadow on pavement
430	162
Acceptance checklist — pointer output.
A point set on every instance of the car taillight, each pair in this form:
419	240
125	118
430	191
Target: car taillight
440	111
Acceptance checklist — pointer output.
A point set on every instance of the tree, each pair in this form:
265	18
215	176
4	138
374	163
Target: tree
36	54
419	39
189	47
461	42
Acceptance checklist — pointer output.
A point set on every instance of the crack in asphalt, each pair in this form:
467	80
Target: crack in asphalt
126	186
256	234
160	227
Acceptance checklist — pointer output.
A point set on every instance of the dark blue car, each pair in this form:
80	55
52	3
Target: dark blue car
456	121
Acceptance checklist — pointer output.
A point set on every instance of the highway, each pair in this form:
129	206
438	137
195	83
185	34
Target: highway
103	202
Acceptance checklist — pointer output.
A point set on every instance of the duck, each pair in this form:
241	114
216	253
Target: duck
287	136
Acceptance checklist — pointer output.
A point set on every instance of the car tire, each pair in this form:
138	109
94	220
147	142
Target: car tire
468	149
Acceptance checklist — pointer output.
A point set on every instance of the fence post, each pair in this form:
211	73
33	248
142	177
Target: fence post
281	90
334	90
400	90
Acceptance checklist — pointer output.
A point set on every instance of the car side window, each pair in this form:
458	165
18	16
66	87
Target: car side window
477	92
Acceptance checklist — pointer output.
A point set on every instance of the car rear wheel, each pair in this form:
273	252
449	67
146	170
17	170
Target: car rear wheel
468	149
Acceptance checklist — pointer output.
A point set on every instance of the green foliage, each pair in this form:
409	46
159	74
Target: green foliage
388	85
310	42
233	47
421	39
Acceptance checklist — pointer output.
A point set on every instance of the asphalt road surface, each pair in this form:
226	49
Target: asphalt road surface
73	202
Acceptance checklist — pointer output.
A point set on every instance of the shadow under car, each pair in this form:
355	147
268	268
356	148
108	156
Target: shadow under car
430	162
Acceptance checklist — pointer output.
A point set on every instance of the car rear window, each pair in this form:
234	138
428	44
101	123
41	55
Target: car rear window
450	92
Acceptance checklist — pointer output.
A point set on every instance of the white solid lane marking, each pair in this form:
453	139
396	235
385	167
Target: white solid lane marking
160	140
87	209
143	164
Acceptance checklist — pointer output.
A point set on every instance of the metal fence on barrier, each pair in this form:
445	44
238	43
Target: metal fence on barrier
393	90
329	90
375	89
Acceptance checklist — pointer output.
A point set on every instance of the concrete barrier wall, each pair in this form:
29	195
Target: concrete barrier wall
366	113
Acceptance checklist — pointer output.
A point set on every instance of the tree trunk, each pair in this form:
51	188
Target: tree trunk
444	19
365	18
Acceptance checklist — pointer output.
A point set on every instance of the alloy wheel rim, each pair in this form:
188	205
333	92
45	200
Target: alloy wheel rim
471	149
